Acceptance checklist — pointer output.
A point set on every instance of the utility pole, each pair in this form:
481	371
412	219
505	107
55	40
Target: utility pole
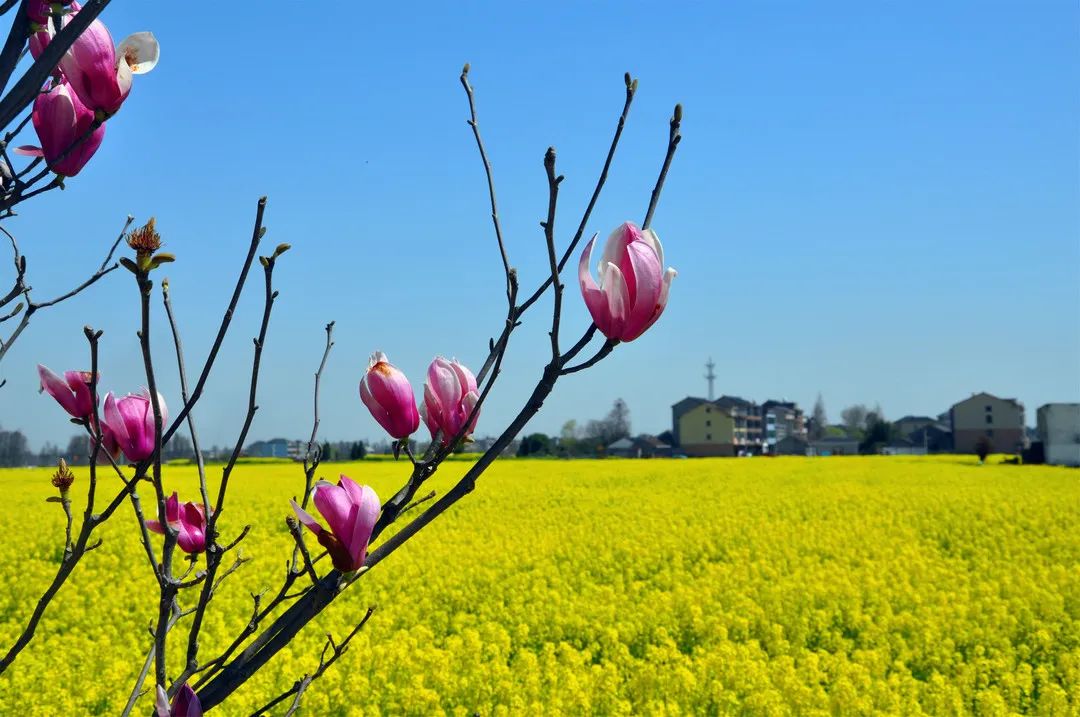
710	376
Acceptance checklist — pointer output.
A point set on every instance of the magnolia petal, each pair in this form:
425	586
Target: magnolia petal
161	703
647	278
649	237
186	703
617	299
58	388
661	302
464	375
468	404
140	51
334	504
154	526
426	416
172	511
78	382
433	411
367	514
29	150
617	242
306	518
444	382
116	425
585	277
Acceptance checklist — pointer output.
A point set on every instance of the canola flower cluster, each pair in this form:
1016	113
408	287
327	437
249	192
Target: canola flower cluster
764	586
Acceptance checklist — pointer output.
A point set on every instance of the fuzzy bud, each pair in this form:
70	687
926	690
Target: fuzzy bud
63	478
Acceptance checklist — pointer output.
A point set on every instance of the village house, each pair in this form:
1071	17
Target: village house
985	416
643	446
835	446
935	437
790	445
908	425
702	428
1058	427
781	419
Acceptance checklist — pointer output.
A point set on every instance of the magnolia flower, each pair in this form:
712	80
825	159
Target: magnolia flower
350	510
185	703
64	126
189	522
72	391
633	288
37	11
100	73
388	395
130	421
449	397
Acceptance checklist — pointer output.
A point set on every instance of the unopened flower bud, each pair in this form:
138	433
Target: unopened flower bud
63	478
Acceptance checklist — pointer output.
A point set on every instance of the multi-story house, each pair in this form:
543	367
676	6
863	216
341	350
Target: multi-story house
733	426
703	428
985	416
747	417
781	419
908	425
1058	426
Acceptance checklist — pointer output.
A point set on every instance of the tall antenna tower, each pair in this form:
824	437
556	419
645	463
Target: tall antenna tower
710	376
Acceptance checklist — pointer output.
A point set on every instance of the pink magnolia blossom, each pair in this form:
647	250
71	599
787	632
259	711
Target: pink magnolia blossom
633	289
72	391
62	123
351	511
108	442
130	421
450	394
388	395
101	73
189	522
184	704
38	11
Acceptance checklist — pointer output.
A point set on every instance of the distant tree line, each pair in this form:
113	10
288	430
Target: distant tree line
576	441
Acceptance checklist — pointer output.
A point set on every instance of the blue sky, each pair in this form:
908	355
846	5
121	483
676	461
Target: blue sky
878	202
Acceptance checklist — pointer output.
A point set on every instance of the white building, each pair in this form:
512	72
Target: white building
1058	426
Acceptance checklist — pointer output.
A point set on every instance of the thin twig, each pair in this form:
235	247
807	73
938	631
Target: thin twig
178	344
600	355
294	530
256	236
298	688
214	552
490	179
549	237
33	307
673	143
631	90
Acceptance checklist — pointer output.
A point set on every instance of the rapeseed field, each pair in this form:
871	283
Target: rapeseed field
706	587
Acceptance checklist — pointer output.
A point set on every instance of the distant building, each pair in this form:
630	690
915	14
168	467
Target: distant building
643	446
903	447
652	447
935	438
780	420
909	424
1058	426
999	420
622	448
835	446
702	428
276	448
790	446
747	417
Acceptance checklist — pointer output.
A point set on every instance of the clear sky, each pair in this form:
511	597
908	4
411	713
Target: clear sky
878	202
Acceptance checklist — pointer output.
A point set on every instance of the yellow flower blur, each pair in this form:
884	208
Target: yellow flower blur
759	586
